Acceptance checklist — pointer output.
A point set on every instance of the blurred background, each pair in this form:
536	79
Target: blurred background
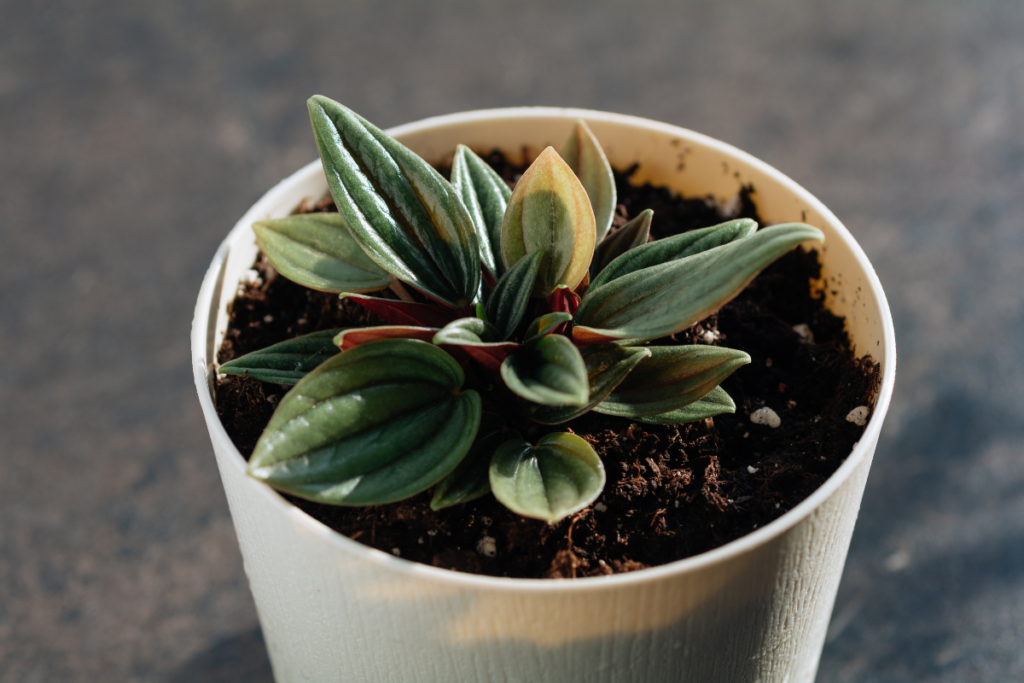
133	136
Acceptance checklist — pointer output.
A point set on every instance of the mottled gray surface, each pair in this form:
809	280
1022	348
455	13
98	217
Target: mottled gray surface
135	134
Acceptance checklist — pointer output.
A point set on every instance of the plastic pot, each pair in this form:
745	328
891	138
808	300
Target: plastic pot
755	609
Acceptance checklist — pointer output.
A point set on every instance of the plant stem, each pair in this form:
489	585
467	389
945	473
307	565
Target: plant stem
401	292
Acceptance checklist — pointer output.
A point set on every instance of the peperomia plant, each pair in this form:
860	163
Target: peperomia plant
527	311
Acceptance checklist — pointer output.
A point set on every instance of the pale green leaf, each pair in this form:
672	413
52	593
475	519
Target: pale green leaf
715	403
583	153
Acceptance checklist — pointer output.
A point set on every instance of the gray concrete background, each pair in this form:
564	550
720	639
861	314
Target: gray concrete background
133	135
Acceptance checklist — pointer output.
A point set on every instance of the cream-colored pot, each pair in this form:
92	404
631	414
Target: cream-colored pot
753	610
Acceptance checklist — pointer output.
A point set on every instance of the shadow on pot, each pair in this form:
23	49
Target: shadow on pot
241	657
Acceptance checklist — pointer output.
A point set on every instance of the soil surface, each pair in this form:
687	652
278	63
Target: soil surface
672	491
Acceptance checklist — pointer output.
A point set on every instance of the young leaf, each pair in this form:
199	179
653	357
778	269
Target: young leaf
631	235
559	476
511	294
549	212
373	425
549	371
585	157
471	478
287	362
317	251
715	403
660	300
607	365
673	377
478	338
404	215
404	312
673	249
356	336
486	195
545	325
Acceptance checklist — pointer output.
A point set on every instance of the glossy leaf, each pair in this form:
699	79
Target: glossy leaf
545	325
286	362
471	478
660	300
607	365
549	212
317	251
510	296
673	249
583	153
715	403
357	336
486	196
404	312
404	215
559	476
673	377
373	425
630	236
479	339
549	371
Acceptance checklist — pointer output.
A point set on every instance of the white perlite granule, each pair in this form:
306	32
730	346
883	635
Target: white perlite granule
709	337
751	469
397	552
766	416
858	416
804	332
487	547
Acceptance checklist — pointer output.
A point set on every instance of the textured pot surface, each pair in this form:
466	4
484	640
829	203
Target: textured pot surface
755	609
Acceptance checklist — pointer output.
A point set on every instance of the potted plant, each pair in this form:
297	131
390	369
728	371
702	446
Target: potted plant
754	609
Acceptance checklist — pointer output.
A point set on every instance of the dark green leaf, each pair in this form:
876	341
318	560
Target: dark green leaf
545	325
673	249
317	251
715	403
406	217
486	196
471	479
660	300
673	377
607	365
480	339
373	425
559	476
549	371
287	362
585	157
630	236
549	212
507	304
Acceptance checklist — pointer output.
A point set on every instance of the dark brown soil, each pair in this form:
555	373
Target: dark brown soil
672	491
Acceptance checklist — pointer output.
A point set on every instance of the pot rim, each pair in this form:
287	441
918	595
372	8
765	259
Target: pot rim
205	316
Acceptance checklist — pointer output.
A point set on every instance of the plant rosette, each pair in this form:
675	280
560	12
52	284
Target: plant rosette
754	609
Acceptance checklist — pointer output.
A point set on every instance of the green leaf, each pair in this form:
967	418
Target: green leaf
404	215
317	251
357	336
376	424
480	339
585	157
471	478
545	325
549	212
715	403
630	236
549	371
508	300
486	196
559	476
607	365
286	362
660	300
673	377
673	249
